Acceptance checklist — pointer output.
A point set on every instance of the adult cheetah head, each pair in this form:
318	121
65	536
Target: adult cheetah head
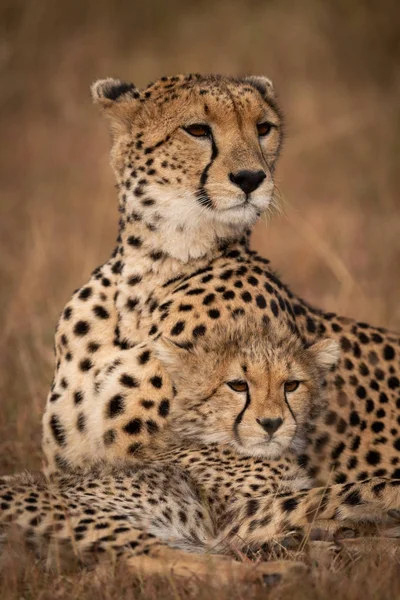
194	149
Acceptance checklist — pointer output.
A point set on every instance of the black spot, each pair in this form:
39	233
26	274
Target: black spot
78	397
352	462
85	364
134	280
178	328
361	392
132	303
208	299
377	426
144	357
289	504
81	422
147	404
228	295
252	280
246	297
128	381
214	314
373	457
81	328
369	406
354	418
388	352
163	408
133	427
185	307
274	308
337	451
199	331
93	347
134	241
225	275
57	430
101	312
354	498
67	313
393	382
85	293
116	406
260	300
156	381
117	267
252	507
345	344
311	327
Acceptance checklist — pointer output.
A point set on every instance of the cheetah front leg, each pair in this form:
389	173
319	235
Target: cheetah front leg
107	413
260	520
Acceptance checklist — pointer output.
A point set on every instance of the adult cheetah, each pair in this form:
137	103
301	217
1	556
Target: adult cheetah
194	158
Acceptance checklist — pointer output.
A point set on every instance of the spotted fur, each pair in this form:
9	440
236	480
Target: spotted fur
182	267
194	491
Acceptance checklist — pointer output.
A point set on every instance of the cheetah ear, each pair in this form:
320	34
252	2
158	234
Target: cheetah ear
262	84
118	99
326	353
172	354
107	91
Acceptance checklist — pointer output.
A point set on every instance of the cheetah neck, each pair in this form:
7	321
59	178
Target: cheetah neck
152	255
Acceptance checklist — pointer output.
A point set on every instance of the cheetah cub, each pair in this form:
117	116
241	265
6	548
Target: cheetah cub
224	477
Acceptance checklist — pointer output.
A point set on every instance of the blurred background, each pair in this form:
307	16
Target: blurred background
336	66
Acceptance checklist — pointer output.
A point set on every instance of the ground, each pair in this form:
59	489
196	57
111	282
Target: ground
338	246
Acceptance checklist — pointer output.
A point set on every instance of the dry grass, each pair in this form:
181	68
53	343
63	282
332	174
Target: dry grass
336	67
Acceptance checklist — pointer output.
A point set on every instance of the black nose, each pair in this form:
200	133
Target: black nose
270	425
248	181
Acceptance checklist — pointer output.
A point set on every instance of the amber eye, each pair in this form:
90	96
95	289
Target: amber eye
291	386
264	128
238	386
198	130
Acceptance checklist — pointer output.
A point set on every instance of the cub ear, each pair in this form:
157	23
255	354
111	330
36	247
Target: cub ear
326	353
172	354
118	99
262	84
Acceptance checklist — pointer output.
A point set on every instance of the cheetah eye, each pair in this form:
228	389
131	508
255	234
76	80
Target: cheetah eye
291	386
198	130
238	385
264	129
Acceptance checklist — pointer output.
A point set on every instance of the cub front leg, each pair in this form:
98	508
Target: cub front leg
259	520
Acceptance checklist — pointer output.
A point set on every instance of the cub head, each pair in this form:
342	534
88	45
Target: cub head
253	387
194	150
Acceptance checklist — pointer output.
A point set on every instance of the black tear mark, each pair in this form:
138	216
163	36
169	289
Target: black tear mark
202	196
239	418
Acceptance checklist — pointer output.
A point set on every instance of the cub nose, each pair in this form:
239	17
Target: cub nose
248	181
270	425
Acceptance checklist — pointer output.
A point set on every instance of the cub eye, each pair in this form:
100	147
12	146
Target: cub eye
264	128
198	130
238	386
291	386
